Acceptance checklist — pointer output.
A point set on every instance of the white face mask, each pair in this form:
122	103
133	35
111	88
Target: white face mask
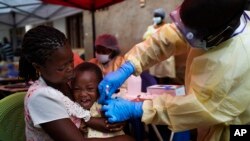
156	20
102	58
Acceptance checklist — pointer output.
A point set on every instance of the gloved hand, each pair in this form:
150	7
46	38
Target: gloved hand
113	80
118	110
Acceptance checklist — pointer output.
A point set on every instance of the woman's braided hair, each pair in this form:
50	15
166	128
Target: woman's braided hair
37	46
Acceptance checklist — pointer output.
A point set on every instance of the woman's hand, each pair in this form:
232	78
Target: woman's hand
114	127
101	124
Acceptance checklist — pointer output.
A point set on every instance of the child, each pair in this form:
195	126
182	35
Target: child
50	113
85	91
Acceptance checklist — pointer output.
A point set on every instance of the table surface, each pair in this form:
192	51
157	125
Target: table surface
10	80
12	88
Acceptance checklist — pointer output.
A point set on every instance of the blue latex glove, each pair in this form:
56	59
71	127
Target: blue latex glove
113	80
118	110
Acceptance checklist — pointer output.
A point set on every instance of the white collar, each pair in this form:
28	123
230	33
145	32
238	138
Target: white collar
42	81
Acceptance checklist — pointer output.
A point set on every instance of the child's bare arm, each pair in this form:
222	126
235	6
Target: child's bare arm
101	124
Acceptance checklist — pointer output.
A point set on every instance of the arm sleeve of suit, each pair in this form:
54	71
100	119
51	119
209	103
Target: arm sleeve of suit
167	41
218	92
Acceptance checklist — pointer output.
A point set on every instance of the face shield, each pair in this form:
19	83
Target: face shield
201	39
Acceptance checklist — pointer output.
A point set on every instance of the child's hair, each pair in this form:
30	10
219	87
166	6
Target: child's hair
37	46
87	66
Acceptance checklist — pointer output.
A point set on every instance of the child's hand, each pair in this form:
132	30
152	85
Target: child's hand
114	127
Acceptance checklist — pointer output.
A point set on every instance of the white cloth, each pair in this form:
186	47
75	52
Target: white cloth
44	104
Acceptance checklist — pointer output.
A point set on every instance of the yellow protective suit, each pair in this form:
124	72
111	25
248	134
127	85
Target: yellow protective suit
164	68
217	84
112	65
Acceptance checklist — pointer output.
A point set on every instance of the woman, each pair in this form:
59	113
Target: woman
50	113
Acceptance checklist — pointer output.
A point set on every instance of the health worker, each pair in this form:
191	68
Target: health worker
217	35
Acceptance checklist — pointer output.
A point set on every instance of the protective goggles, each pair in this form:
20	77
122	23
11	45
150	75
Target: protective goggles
200	39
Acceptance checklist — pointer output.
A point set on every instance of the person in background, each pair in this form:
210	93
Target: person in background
158	21
216	83
77	59
85	91
50	113
108	56
7	50
164	71
107	52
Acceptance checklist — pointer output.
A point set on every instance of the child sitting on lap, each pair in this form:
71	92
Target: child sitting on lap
85	91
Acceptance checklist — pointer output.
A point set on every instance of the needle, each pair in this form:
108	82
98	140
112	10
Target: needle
107	89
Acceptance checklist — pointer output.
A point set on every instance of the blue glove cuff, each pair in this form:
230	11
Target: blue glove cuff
128	68
137	112
112	81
